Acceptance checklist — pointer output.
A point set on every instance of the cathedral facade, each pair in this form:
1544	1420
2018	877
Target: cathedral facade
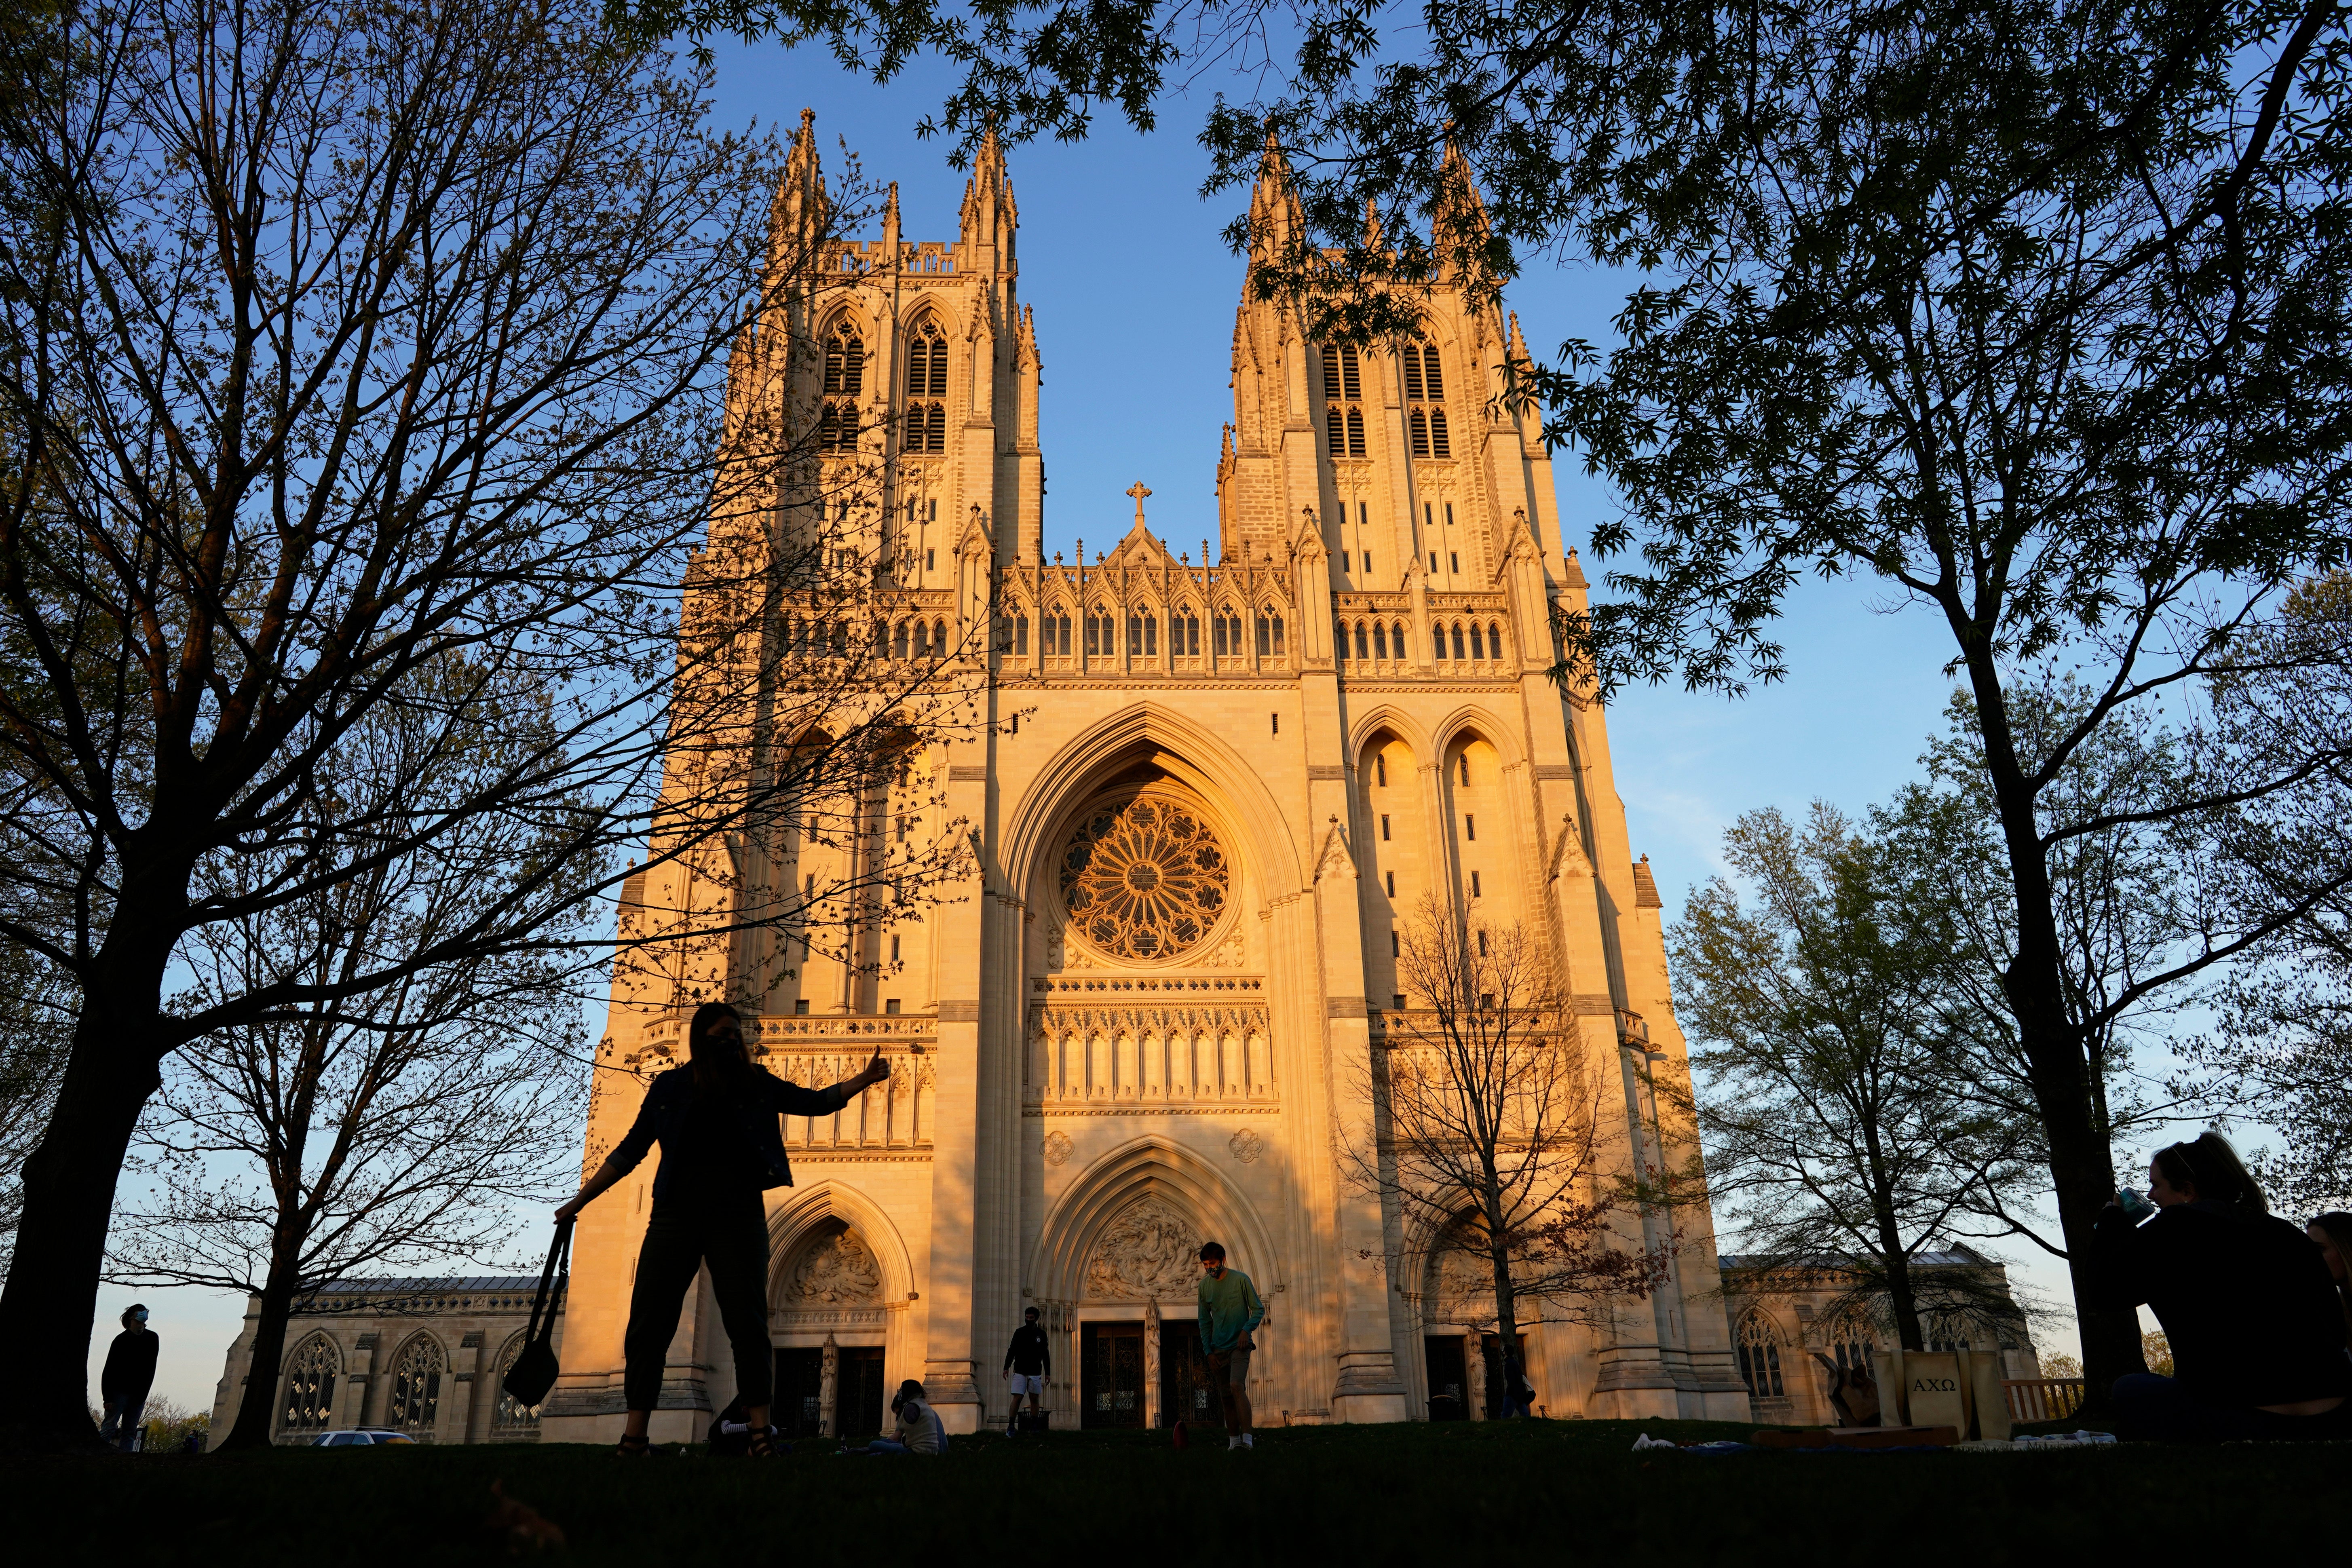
1203	804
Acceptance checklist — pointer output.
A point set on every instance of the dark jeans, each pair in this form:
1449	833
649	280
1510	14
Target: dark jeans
2152	1409
731	1236
120	1426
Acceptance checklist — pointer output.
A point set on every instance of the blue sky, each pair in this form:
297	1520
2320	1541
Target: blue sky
1134	292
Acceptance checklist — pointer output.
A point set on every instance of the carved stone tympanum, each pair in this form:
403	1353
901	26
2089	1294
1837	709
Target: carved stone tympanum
836	1270
1149	1253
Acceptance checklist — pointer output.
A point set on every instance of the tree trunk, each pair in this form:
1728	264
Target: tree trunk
1507	1303
1899	1293
1900	1296
257	1408
51	1296
2082	1170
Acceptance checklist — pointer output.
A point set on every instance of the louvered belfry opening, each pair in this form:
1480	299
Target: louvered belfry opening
845	382
1424	396
927	390
1343	410
844	363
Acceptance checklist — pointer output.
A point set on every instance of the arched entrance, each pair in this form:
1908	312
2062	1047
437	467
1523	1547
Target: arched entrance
837	1293
1118	1263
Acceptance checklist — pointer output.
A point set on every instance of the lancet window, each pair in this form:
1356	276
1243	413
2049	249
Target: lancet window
1424	393
1760	1358
1343	407
1143	636
1053	633
1228	624
1269	635
845	382
927	390
1184	633
416	1401
311	1386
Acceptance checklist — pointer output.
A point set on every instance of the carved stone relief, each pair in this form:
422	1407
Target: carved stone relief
834	1271
1150	1252
1057	1148
1247	1146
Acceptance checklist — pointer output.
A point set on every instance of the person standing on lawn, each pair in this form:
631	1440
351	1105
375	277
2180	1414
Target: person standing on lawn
128	1373
1230	1311
1027	1364
722	1147
1518	1389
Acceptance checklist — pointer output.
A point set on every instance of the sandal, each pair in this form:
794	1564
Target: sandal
763	1445
636	1447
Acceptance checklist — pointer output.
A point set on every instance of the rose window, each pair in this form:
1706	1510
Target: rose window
1145	879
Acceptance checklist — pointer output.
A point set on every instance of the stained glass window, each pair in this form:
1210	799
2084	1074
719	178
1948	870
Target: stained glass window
311	1386
1144	878
415	1399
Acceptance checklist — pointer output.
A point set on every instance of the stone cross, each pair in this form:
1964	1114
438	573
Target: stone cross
1138	491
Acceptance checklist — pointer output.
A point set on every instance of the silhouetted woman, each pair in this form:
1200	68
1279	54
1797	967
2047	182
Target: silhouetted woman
722	1147
2256	1331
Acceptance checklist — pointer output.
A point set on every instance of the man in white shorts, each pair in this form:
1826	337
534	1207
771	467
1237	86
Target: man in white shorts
1027	1365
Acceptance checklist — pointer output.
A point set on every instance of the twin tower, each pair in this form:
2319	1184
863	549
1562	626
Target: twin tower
1205	805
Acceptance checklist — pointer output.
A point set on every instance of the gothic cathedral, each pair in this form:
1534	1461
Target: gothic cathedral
1204	801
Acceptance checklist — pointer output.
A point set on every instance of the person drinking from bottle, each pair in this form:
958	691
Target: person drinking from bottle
2245	1301
722	1146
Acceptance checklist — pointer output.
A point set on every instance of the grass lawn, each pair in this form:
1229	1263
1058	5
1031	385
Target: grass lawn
1525	1492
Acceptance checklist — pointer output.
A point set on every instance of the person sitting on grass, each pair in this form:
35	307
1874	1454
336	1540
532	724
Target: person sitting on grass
2256	1332
918	1429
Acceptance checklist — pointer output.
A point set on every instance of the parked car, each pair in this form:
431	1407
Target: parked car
364	1437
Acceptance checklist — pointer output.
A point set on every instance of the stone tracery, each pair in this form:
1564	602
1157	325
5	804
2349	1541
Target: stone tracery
1144	878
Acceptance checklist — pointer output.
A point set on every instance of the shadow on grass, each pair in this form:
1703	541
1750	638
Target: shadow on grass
1538	1491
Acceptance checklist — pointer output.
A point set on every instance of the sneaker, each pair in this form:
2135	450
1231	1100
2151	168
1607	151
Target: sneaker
1232	1443
1249	1439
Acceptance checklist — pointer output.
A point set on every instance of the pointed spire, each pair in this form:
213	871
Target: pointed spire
1276	219
1518	346
989	217
801	206
1372	224
1461	225
891	226
1456	183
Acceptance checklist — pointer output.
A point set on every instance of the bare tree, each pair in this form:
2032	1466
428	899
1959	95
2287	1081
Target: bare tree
356	354
1487	1125
398	1128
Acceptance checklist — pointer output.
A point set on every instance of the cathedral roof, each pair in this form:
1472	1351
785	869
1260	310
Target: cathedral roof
412	1286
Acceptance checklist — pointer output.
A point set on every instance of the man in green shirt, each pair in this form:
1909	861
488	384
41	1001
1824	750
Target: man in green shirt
1230	1309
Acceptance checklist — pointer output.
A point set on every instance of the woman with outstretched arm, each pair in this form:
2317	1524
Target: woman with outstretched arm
722	1147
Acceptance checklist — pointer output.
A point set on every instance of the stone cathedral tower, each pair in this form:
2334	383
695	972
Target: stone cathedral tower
1208	796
